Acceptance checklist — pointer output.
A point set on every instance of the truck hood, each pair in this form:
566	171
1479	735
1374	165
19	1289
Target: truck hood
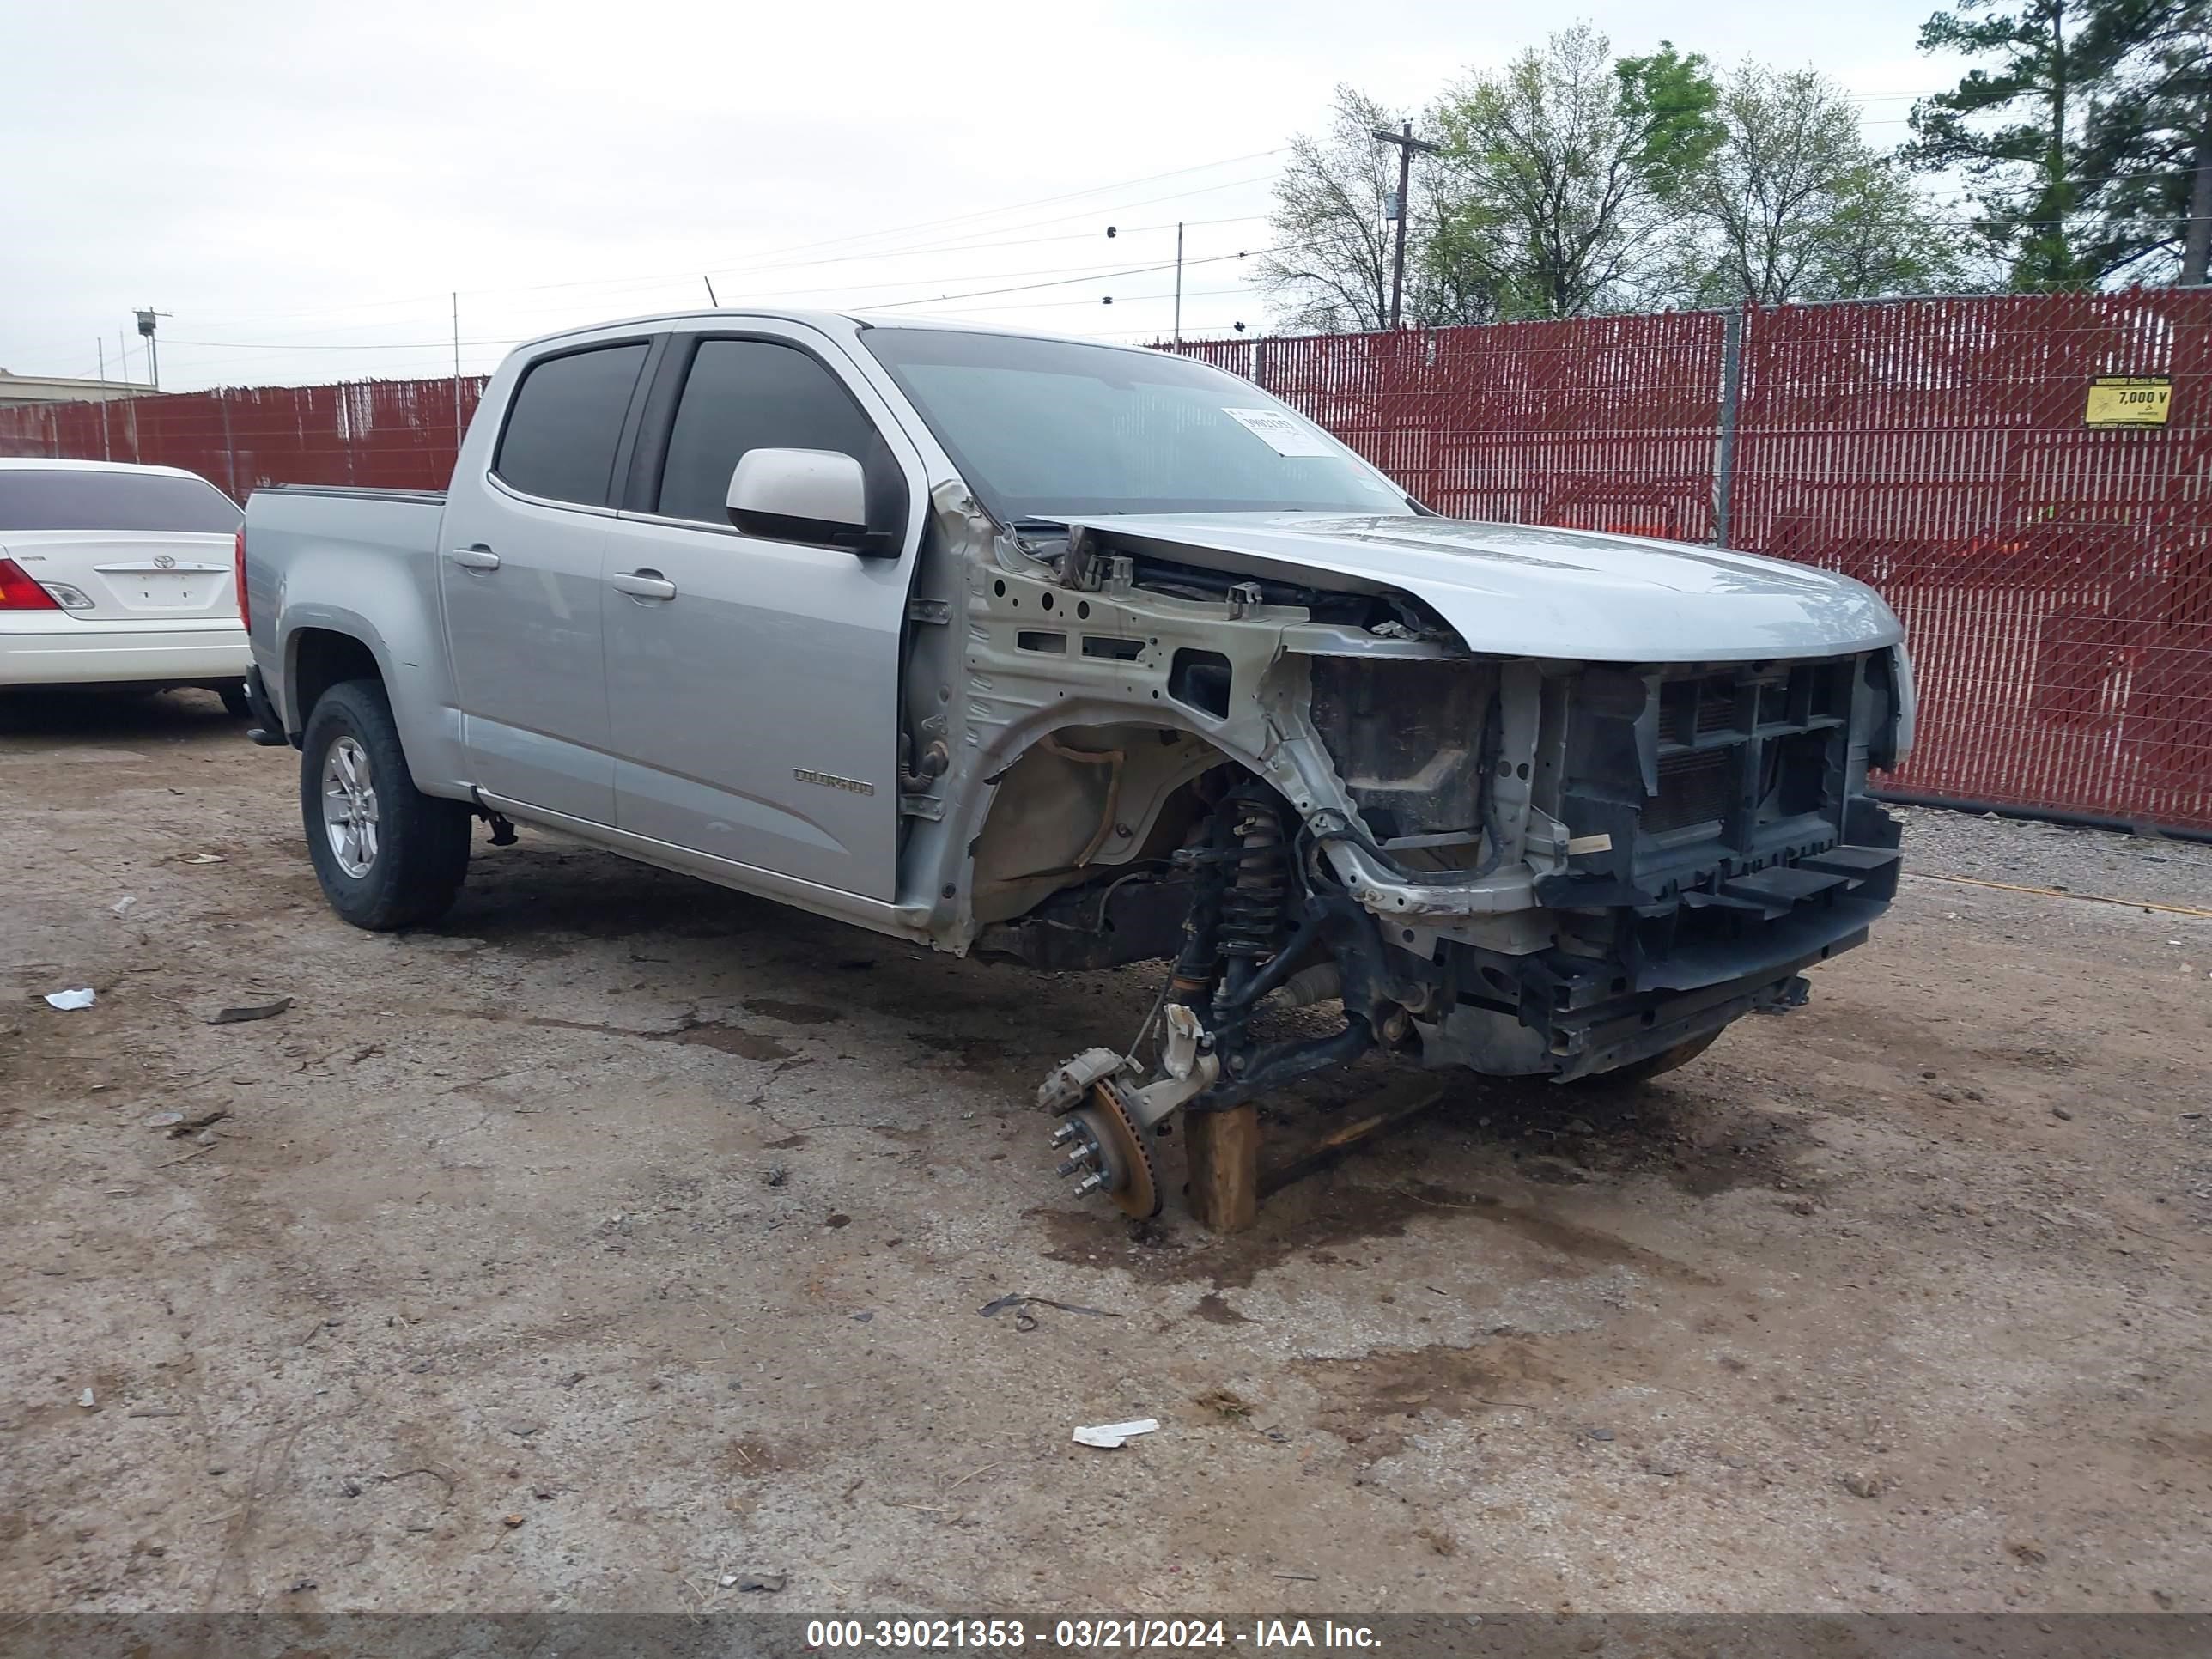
1528	591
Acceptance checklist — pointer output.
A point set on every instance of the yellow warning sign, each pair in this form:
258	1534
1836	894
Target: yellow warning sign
2128	400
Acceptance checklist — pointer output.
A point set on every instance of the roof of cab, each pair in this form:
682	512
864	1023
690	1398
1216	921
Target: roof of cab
828	321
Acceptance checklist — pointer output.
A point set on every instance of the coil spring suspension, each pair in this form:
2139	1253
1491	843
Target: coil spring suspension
1251	927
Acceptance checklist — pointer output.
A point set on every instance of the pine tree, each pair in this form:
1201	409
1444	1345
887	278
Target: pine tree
2015	131
2087	142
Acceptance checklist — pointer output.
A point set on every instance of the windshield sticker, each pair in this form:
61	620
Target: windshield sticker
1280	433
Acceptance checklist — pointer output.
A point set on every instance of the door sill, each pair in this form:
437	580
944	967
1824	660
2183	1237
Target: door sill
879	915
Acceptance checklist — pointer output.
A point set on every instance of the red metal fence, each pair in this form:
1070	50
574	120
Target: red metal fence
1608	422
2056	578
400	435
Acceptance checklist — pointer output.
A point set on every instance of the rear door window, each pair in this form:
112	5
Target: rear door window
71	499
753	394
566	423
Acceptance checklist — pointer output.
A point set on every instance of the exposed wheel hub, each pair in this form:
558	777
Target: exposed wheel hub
1106	1150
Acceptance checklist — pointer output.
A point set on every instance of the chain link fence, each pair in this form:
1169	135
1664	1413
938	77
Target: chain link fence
397	434
1961	455
2055	571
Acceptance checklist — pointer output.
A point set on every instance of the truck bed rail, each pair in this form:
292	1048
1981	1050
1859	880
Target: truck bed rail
428	497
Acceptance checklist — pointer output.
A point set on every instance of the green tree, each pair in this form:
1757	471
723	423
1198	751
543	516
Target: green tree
2015	131
1329	270
1881	238
1561	174
1793	204
2147	141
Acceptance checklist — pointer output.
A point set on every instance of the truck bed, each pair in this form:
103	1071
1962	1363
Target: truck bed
359	565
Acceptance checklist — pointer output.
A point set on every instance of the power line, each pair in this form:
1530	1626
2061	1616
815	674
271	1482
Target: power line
260	352
264	349
692	271
611	287
1125	299
1131	270
1071	273
957	236
1061	276
356	345
1047	201
616	284
275	347
1094	304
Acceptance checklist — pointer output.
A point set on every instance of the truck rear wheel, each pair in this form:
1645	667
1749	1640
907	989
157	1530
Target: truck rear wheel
387	855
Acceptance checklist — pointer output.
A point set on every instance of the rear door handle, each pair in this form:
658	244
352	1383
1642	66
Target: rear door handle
474	558
644	584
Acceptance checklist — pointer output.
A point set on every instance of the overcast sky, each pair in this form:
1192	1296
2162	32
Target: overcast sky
303	183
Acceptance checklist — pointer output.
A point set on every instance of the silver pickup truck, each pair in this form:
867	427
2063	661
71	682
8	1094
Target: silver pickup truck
1081	656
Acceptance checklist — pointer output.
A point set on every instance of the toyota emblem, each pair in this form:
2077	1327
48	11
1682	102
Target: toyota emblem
164	561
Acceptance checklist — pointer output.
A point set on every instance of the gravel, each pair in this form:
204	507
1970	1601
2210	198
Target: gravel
1947	1230
2152	869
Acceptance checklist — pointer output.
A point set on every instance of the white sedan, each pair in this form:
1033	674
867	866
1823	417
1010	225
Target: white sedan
112	575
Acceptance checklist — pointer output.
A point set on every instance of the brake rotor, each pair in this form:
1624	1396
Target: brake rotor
1120	1153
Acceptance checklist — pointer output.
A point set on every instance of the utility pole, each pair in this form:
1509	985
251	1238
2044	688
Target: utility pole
1178	310
102	344
457	368
147	316
123	357
1731	401
1407	144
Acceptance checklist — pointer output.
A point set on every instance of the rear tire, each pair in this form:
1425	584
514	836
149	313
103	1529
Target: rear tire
387	855
1651	1066
234	700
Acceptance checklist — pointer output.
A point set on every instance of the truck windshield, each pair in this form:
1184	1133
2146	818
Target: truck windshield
90	498
1049	429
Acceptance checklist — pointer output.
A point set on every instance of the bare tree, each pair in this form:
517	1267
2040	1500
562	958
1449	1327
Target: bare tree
1794	204
1330	268
1561	173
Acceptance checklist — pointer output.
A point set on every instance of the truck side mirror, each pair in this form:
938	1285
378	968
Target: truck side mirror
818	496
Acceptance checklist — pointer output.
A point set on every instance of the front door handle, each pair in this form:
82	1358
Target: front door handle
644	584
478	557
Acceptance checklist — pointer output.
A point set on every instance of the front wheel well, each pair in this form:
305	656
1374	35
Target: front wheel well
323	658
1083	804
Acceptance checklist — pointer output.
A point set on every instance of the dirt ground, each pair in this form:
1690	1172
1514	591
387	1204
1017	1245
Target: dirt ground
620	1236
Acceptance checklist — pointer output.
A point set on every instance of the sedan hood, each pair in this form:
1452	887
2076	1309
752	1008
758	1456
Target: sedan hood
1528	591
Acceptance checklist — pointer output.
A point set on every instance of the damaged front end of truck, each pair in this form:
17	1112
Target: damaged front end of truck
1309	791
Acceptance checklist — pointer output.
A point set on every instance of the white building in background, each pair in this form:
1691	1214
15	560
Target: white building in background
59	389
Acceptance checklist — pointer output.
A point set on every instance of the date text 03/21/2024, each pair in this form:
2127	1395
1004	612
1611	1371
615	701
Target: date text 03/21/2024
1086	1634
